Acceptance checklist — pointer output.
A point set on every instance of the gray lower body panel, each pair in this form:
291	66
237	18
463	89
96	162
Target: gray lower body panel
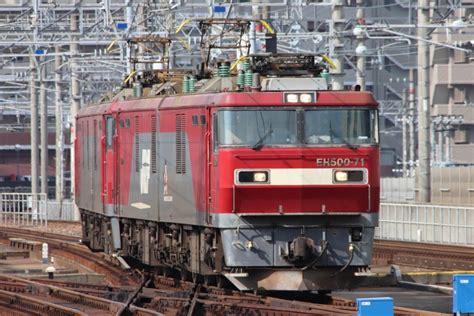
267	247
259	248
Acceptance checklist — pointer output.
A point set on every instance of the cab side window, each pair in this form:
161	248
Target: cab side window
109	132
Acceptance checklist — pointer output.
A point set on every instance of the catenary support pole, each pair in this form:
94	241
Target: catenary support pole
34	126
59	125
336	44
424	146
404	133
360	42
411	122
129	16
43	127
252	31
75	98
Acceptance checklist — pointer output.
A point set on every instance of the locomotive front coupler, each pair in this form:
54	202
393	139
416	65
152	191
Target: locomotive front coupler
301	250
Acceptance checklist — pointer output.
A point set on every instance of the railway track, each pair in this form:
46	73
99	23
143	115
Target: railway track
176	297
68	247
423	255
168	296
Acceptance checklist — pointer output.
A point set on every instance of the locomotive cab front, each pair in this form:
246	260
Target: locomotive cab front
295	189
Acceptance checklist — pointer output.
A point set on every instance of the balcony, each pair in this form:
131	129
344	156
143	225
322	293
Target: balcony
465	110
452	74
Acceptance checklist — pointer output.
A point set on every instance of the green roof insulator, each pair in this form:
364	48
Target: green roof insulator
224	70
325	74
248	78
137	90
240	78
192	84
186	84
245	65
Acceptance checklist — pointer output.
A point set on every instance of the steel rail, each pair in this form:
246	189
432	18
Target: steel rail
423	255
60	247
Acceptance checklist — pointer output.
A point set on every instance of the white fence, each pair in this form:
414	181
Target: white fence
61	211
400	190
449	186
426	223
27	209
23	209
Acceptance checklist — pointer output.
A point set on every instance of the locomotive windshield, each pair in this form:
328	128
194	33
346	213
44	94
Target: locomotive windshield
342	126
295	127
250	127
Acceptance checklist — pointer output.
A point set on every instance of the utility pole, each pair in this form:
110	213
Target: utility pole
424	164
411	122
336	44
75	97
360	43
44	128
59	125
34	126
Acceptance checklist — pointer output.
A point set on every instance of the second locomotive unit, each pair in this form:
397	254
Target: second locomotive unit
268	179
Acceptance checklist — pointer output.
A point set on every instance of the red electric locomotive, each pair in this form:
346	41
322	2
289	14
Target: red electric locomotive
267	179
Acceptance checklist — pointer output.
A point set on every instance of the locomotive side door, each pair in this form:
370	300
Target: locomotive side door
212	165
110	176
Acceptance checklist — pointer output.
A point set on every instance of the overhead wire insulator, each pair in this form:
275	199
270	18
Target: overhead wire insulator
224	69
246	65
248	78
186	84
192	84
240	78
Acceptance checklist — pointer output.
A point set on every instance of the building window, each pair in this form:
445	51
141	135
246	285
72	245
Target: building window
459	57
461	136
459	94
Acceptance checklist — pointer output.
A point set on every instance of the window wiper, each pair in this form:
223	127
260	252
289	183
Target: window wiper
344	140
259	144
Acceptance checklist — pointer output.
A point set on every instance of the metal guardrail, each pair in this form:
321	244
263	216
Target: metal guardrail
23	209
27	209
426	223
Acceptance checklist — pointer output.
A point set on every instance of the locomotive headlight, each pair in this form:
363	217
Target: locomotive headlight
291	98
341	176
260	177
349	176
301	97
252	177
306	97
